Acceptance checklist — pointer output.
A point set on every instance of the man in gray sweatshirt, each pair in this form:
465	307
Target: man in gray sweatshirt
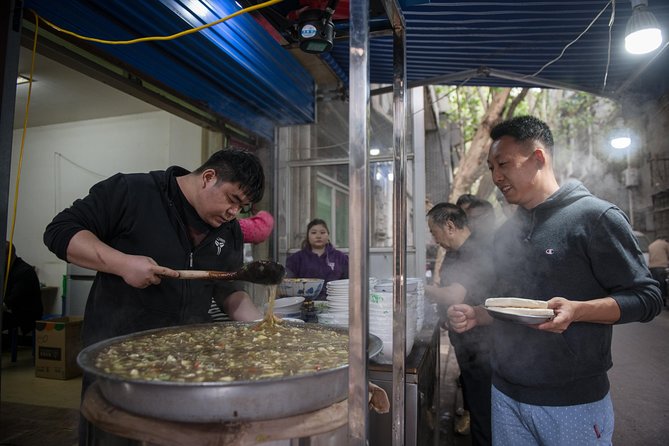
578	253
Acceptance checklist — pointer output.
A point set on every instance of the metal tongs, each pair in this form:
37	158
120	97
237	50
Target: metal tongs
264	272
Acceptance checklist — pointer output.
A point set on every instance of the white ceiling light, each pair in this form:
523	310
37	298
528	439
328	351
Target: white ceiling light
374	152
620	135
642	34
621	142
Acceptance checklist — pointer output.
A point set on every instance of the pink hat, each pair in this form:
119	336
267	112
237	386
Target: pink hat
257	229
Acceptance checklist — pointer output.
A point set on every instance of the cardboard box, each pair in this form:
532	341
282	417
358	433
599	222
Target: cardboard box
57	344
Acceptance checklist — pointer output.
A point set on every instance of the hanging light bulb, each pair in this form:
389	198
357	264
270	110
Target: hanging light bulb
642	34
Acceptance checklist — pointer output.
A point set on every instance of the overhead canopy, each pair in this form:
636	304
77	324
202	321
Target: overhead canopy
234	70
241	71
511	43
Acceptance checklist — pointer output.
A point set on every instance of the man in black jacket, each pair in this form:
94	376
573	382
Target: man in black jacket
466	277
137	229
578	253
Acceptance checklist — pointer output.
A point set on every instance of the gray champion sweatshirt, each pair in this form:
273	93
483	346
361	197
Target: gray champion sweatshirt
579	247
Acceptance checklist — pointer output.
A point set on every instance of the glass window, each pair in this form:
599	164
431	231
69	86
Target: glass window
316	176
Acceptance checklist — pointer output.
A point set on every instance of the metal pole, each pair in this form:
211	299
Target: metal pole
399	220
358	412
416	110
10	27
274	205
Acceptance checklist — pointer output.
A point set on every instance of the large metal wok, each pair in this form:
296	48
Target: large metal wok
222	401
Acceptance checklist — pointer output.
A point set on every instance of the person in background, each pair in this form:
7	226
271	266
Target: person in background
318	259
22	302
257	228
481	218
444	256
464	200
658	262
136	229
467	279
578	253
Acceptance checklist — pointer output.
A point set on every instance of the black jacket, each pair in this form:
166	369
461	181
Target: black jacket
579	247
136	214
472	267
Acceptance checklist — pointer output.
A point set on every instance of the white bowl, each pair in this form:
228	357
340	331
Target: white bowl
287	305
307	288
290	312
288	302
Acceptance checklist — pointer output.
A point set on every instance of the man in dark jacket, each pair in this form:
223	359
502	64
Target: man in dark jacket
22	303
578	253
137	229
466	277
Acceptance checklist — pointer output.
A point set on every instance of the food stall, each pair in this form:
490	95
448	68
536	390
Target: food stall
358	374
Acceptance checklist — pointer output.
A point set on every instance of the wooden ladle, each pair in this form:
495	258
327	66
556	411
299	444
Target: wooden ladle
264	272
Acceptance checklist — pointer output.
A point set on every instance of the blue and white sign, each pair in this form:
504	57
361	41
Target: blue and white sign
308	31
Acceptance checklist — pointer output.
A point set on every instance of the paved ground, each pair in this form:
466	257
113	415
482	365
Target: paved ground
639	379
451	397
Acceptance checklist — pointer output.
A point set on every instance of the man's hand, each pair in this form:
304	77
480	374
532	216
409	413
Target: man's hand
564	315
598	311
461	317
141	271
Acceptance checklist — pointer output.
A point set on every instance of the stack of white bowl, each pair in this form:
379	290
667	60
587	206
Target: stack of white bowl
337	302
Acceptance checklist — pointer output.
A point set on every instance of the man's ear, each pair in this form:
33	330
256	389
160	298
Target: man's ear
208	176
540	156
450	226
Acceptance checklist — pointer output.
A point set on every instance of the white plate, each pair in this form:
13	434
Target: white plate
288	301
337	295
342	282
287	310
518	318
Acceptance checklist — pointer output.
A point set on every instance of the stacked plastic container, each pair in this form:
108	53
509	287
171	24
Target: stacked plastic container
381	317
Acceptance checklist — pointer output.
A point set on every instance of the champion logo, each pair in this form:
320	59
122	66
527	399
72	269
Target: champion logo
220	243
550	251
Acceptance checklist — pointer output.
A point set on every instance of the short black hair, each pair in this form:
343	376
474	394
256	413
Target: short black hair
233	165
465	199
442	213
524	129
480	203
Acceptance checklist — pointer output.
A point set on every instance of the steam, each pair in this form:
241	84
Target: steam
602	177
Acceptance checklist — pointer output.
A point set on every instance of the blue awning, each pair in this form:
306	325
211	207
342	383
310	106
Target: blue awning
507	42
234	70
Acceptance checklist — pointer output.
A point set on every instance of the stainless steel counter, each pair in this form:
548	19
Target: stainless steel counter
421	394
